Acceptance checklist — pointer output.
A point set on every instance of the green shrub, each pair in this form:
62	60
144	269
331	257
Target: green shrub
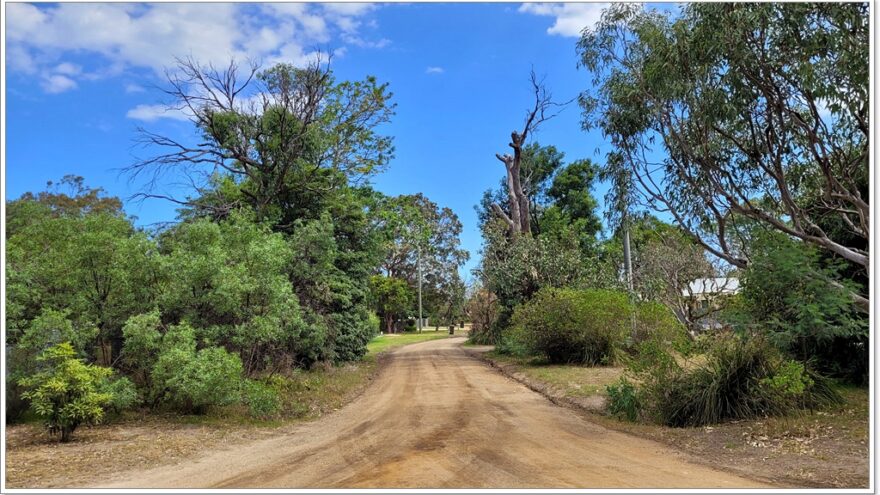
511	344
140	348
573	326
53	327
785	293
123	394
261	398
191	380
623	400
740	377
654	321
67	392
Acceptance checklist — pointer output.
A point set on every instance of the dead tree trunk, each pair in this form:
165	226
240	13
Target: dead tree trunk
517	217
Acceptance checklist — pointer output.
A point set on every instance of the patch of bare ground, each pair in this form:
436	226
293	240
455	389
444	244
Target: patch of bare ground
822	449
33	459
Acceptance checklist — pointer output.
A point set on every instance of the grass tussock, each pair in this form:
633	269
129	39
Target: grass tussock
739	377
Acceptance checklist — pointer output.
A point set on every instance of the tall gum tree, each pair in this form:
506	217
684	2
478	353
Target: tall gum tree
735	113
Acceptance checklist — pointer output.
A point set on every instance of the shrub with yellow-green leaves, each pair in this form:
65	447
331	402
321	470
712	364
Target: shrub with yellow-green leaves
67	392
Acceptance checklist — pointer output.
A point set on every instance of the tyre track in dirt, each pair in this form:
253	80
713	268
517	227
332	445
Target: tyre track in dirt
438	417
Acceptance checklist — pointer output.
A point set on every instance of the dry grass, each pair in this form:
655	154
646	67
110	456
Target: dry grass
384	343
569	380
809	449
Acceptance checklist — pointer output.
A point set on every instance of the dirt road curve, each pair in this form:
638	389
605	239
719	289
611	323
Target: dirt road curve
437	417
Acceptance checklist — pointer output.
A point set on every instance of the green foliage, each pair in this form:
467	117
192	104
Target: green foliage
740	103
297	168
123	394
571	326
419	236
237	269
77	259
52	327
269	268
191	380
654	321
560	196
515	269
785	293
740	377
66	392
69	197
623	400
261	398
592	326
49	328
563	248
393	299
790	379
141	338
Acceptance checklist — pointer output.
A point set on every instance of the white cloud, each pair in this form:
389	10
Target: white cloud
434	70
57	83
349	9
151	35
151	113
571	18
364	43
134	88
19	59
68	69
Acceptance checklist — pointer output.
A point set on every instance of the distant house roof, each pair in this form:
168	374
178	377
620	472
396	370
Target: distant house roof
719	285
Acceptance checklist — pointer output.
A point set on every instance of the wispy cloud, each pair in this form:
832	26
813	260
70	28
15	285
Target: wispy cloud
434	70
571	18
151	113
57	83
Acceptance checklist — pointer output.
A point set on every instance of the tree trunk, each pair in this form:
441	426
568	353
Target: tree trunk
66	432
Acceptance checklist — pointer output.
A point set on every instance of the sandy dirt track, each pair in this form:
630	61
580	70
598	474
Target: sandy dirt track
436	417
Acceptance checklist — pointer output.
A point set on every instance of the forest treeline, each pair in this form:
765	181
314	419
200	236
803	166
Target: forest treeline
280	258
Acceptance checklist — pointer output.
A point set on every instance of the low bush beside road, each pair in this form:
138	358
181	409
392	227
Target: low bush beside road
592	327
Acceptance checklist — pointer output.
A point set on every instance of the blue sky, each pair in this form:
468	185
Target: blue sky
82	77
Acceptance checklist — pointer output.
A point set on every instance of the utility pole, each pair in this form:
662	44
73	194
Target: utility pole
627	265
627	257
419	263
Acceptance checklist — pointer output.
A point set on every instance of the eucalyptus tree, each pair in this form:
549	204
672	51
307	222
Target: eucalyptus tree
735	113
421	245
559	195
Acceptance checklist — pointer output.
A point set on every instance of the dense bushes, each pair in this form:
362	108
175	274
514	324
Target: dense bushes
786	294
120	297
192	380
571	326
229	283
739	377
588	326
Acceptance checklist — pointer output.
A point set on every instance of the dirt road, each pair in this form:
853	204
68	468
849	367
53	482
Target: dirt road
437	417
